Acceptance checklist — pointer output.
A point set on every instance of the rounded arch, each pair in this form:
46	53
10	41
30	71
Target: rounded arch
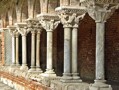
36	8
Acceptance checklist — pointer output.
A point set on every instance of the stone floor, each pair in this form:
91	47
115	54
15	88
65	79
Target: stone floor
5	87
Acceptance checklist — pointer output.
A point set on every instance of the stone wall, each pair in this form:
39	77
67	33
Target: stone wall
112	48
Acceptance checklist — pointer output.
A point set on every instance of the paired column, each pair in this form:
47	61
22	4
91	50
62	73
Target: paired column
15	45
70	23
34	26
21	27
49	23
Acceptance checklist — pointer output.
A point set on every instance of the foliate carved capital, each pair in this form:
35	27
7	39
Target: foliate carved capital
32	24
101	13
70	16
48	22
12	30
100	10
22	28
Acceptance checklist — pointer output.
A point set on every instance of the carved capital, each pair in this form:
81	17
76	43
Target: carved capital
12	30
22	28
101	13
31	24
17	34
48	22
100	10
70	16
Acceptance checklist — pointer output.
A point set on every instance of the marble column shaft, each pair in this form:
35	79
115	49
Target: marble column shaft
13	50
38	51
24	53
100	39
67	51
33	49
17	49
49	50
74	50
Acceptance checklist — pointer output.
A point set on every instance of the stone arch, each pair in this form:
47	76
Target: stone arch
24	10
36	8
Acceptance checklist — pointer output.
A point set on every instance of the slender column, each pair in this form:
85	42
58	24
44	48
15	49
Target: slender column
13	50
21	27
70	23
67	52
49	51
12	31
32	51
38	52
17	49
24	59
49	23
100	39
75	52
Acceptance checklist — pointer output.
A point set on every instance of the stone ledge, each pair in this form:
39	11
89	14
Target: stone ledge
21	82
58	85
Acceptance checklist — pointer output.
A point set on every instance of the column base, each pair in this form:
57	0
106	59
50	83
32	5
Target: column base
24	68
38	69
75	76
32	69
17	64
68	78
49	73
100	85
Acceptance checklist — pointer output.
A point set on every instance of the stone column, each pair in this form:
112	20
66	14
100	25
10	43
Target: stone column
21	27
49	23
100	40
33	26
100	14
69	21
17	48
38	51
49	51
12	31
32	51
67	51
75	52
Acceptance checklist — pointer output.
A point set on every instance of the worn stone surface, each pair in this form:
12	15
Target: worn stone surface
58	85
5	87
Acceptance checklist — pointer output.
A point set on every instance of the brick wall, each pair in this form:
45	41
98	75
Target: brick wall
112	48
